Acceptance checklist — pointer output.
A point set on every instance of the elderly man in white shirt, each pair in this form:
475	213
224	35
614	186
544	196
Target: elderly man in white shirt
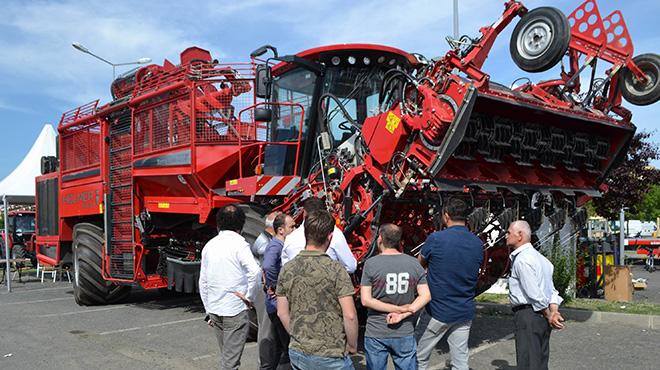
227	281
338	249
534	299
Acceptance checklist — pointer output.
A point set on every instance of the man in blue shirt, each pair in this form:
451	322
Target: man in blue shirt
453	257
274	348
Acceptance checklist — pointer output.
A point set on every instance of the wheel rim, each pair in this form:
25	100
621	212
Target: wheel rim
535	39
640	88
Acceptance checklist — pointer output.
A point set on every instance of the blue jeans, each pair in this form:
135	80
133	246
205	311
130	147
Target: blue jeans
403	351
302	361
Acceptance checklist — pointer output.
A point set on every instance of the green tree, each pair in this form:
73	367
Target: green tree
630	181
649	208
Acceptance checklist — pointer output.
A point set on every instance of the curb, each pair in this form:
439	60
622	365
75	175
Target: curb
593	317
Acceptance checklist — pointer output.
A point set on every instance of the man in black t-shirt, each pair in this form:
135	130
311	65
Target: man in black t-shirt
390	282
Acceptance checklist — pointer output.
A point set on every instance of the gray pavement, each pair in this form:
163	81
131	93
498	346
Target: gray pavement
42	327
652	292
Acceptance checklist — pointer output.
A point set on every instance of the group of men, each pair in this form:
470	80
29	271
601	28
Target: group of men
308	316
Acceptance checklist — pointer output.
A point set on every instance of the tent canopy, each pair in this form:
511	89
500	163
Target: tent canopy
18	187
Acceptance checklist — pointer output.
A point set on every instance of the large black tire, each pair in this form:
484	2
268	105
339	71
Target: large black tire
254	225
89	287
639	93
540	40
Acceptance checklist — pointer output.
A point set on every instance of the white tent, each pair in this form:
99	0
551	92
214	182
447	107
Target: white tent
19	186
20	182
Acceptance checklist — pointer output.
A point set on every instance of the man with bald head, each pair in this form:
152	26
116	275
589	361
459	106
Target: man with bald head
534	299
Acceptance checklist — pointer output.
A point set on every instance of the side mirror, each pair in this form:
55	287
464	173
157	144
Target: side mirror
263	114
262	82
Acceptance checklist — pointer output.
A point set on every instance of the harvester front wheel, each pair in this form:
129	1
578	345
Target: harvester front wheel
89	287
254	225
540	39
642	92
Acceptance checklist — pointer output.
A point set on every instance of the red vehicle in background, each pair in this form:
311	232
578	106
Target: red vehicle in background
21	236
380	134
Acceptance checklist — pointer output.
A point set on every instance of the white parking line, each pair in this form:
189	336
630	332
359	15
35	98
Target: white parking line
149	326
37	290
85	311
37	301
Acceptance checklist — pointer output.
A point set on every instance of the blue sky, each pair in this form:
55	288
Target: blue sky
41	75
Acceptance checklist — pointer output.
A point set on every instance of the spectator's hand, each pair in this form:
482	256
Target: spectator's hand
244	299
350	349
271	293
394	318
556	320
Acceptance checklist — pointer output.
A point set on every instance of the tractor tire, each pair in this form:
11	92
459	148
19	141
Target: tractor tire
254	225
540	40
639	93
89	287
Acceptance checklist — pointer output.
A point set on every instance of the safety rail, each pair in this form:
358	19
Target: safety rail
82	111
262	144
212	98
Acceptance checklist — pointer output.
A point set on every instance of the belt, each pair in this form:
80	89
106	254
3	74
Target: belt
521	307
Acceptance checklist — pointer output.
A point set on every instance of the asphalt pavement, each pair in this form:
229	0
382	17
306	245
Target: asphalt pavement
652	292
42	327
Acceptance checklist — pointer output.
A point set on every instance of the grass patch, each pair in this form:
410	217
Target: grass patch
587	304
606	306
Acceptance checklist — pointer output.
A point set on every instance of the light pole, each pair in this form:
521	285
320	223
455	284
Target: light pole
78	46
622	235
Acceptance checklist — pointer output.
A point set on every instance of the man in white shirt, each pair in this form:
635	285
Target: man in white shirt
227	281
534	299
338	250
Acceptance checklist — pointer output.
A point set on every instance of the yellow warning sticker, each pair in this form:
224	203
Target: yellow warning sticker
101	207
163	205
392	122
331	171
233	182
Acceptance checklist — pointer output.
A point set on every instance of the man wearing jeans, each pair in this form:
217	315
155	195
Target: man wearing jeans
389	283
227	280
315	302
453	257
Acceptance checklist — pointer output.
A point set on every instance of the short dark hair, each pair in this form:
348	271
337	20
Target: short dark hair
279	221
312	204
230	217
391	235
456	209
318	225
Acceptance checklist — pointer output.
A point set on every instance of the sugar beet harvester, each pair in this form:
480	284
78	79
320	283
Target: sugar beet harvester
380	134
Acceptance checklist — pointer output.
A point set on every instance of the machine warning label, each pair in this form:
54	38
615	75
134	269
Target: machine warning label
392	122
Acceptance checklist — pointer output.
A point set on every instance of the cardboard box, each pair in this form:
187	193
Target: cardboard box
618	283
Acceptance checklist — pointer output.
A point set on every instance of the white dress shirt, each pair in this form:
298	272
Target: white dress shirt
531	279
227	266
338	249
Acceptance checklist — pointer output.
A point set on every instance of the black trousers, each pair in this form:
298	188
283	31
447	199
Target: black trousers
532	332
274	353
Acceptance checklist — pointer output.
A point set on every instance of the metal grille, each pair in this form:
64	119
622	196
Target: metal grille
80	147
218	107
161	127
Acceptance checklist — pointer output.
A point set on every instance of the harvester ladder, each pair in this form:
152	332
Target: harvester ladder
119	205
